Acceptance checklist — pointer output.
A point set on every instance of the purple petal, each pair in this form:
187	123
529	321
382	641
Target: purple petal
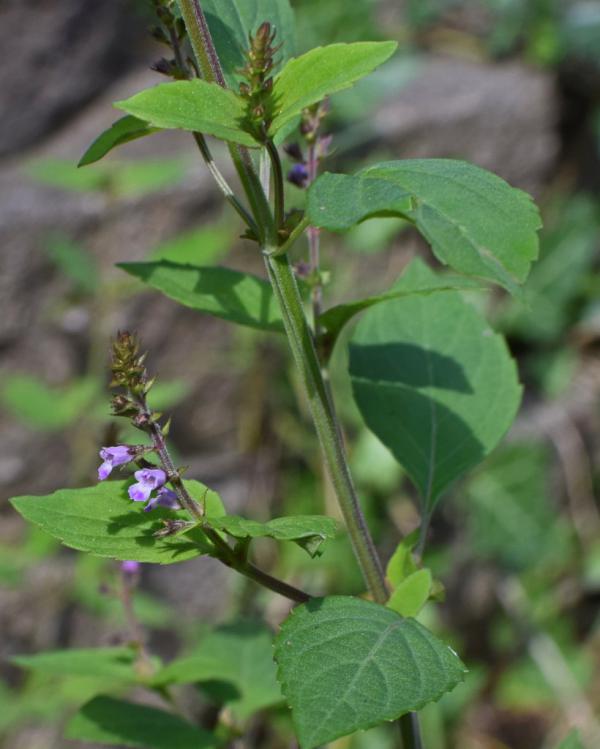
139	492
117	455
151	477
164	498
130	567
104	470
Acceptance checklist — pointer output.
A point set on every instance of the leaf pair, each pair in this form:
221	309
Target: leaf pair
203	107
103	521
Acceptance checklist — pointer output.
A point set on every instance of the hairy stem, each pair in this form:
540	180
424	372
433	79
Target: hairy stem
277	182
312	164
210	67
303	350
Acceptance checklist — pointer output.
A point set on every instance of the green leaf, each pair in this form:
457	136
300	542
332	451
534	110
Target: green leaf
402	563
412	593
433	382
335	318
118	179
573	741
75	262
473	220
196	105
346	664
321	72
232	21
237	297
238	654
567	254
511	518
47	408
308	531
102	520
113	663
202	245
106	720
122	131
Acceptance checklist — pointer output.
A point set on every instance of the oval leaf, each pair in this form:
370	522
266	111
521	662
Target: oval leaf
237	297
106	720
434	383
103	521
346	664
474	221
311	77
198	106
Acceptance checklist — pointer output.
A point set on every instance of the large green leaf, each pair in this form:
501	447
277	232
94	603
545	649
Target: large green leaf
106	720
239	655
321	72
232	21
433	382
308	531
473	220
335	318
103	521
122	131
115	663
196	105
346	664
238	297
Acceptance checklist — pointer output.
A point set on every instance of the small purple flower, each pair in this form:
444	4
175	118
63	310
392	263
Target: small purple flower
112	457
298	175
130	567
164	498
148	479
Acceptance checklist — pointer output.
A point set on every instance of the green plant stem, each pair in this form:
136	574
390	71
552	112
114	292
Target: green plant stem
303	350
277	182
410	731
210	67
222	183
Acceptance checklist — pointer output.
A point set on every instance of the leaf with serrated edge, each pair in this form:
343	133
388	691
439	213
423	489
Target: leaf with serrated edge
321	72
103	520
122	131
434	383
308	531
346	664
106	720
229	294
474	221
197	106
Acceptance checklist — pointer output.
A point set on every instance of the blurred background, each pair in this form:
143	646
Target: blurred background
511	85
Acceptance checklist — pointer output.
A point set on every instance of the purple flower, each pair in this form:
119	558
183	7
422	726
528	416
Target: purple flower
112	457
164	498
298	175
148	479
130	567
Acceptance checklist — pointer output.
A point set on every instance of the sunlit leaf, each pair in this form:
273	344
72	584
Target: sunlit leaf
346	664
102	520
433	382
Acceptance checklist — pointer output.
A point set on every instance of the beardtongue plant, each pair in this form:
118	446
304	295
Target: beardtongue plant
430	378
